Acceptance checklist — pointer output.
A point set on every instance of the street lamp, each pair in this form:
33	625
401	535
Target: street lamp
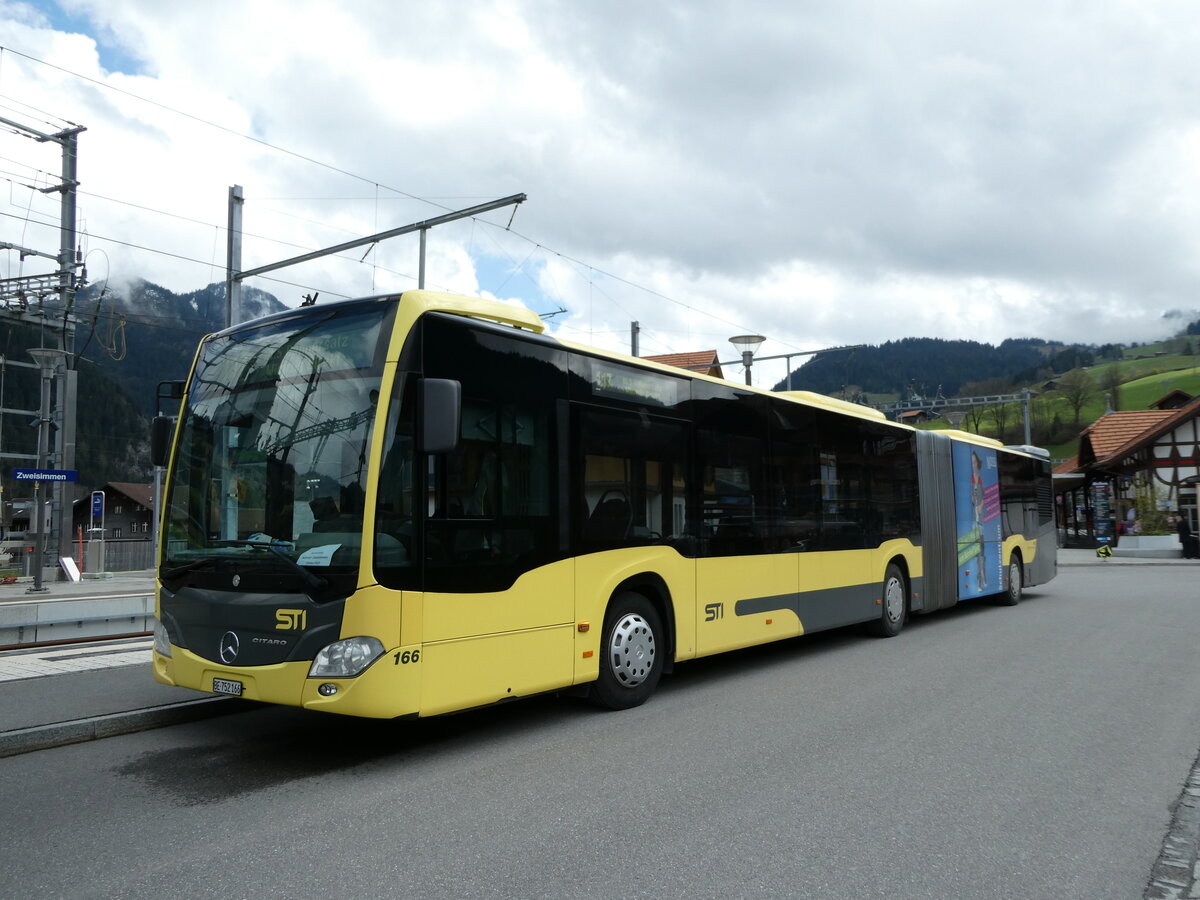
47	360
747	343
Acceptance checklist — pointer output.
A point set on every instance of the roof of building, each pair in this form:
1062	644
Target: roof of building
1173	399
1066	468
1171	418
142	494
1110	432
697	361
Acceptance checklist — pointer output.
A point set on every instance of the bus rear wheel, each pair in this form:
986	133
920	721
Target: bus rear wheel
1016	581
893	604
631	653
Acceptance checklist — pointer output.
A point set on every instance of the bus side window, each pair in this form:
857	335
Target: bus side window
630	487
796	477
737	509
844	499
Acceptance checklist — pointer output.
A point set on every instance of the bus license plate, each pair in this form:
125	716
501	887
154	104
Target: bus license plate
225	686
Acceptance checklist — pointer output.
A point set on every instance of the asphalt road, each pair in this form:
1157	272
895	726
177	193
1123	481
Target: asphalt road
987	752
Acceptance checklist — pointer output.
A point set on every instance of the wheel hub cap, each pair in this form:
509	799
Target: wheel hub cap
894	598
631	650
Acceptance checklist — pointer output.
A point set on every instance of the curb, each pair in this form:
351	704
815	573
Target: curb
1176	873
59	734
1127	562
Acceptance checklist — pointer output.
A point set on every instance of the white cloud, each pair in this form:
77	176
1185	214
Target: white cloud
834	173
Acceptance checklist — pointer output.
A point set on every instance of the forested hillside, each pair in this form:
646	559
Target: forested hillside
926	365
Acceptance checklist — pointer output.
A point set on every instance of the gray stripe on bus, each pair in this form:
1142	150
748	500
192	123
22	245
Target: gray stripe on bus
825	607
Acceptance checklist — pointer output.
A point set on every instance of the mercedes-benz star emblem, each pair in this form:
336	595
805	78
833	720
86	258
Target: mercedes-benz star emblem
229	647
237	579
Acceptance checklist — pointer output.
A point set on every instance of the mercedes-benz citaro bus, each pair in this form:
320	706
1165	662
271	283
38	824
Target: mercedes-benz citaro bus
419	503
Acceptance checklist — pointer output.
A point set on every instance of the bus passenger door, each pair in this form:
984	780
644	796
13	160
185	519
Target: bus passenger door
630	513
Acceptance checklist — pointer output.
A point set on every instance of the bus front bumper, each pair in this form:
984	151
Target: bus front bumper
386	689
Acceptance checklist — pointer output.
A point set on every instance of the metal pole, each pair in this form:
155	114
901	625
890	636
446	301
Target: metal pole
383	235
64	439
68	403
747	361
1025	404
233	257
421	263
634	329
39	506
66	232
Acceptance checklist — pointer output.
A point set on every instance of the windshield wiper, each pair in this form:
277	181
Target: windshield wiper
185	567
313	582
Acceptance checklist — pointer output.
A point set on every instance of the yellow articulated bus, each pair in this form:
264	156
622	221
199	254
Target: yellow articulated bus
419	503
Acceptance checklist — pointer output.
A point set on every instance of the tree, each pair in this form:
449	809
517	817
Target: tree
1077	387
986	386
974	418
998	415
1040	419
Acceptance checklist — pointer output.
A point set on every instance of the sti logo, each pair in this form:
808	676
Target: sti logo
714	611
291	619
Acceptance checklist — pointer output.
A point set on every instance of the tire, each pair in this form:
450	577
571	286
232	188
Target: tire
632	652
1016	582
893	604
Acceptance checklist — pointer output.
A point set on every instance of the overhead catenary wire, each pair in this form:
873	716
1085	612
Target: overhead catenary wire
375	185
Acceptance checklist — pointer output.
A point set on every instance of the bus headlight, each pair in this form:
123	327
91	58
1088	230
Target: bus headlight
345	659
162	643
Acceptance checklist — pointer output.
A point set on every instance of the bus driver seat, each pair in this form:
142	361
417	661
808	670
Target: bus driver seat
610	520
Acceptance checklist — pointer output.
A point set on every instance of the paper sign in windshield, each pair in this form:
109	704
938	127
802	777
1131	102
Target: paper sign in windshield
318	556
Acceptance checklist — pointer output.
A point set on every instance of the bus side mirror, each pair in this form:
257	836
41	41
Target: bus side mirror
441	414
161	430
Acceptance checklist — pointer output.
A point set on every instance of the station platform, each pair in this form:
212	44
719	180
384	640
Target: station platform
120	582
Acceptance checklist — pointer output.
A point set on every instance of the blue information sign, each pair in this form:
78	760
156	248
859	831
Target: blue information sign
45	475
97	504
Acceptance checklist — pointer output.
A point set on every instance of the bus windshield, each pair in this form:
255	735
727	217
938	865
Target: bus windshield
272	456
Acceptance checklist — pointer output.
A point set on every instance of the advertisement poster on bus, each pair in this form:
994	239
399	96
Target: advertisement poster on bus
977	516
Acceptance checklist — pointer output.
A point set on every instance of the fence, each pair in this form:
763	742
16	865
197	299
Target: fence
119	556
128	556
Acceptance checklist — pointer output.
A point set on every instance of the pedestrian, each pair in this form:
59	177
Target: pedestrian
1190	550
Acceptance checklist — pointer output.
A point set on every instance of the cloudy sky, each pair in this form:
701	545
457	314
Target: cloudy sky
822	173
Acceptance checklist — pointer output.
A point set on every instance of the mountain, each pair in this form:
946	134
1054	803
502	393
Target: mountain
127	341
925	365
111	433
144	334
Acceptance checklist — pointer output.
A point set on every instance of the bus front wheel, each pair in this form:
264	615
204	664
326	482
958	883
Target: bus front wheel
893	604
1016	581
631	653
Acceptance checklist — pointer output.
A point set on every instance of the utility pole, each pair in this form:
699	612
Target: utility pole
634	331
233	257
234	276
16	295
